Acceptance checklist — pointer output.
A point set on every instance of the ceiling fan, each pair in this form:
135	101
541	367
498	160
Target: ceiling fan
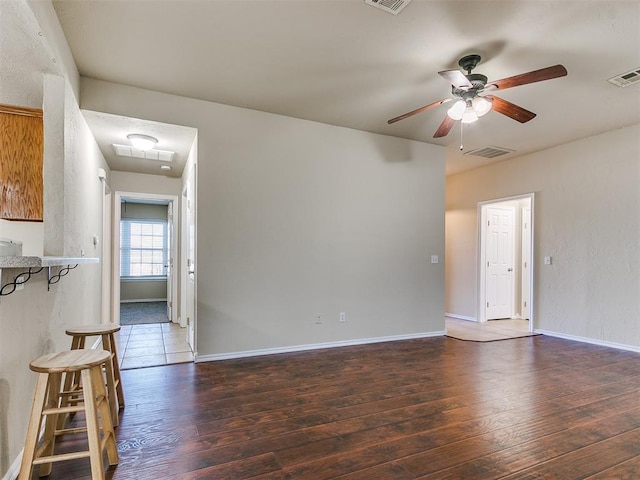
471	95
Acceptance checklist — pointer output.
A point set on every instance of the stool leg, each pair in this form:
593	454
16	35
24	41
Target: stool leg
33	430
105	416
71	382
111	342
49	438
93	428
111	392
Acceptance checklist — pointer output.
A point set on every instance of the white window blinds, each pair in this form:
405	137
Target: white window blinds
143	248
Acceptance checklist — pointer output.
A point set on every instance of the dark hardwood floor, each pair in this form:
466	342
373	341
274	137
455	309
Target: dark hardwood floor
436	408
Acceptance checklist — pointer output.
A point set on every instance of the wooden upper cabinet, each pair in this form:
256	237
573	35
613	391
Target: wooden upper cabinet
21	152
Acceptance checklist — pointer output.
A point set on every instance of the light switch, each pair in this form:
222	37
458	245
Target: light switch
434	259
548	260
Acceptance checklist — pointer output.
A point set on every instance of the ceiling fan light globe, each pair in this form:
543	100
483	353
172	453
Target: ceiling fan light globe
481	106
469	116
457	110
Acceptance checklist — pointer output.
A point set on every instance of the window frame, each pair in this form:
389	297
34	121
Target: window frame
125	229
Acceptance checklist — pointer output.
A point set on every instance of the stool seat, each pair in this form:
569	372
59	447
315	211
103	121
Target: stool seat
71	361
95	329
48	404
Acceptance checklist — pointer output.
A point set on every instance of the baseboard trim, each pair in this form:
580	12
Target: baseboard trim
14	469
315	346
601	343
461	317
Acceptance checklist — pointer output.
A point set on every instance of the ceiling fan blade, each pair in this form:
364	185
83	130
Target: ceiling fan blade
511	110
456	78
418	110
445	127
530	77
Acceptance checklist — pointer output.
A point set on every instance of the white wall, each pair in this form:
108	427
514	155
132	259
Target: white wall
32	321
143	183
297	218
587	216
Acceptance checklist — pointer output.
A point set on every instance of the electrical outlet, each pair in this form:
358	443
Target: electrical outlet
548	260
318	318
343	317
20	283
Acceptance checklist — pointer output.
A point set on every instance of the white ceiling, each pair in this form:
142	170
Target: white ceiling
345	63
113	129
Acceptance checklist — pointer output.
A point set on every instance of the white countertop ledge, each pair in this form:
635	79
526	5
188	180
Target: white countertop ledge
37	262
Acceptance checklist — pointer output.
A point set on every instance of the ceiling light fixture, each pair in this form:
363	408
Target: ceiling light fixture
142	142
470	110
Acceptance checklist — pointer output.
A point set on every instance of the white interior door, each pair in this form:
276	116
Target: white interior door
190	231
170	255
499	252
525	306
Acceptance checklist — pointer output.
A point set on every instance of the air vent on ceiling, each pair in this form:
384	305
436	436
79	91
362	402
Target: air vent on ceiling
153	154
389	6
626	79
489	152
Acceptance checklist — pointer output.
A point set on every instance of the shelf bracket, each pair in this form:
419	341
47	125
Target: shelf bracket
10	287
54	278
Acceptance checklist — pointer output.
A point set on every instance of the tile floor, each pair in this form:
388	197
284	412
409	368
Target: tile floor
152	344
487	331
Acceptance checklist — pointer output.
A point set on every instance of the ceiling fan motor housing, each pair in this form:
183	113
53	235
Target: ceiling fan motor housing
469	62
477	80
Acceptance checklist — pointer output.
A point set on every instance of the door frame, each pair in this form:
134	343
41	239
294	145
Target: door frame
481	277
106	260
526	245
115	257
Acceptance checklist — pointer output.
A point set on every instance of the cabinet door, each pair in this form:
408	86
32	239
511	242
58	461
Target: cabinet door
21	147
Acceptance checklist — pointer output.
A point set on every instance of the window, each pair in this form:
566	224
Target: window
143	248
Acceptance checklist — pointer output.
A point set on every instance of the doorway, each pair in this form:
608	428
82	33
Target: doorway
505	259
144	282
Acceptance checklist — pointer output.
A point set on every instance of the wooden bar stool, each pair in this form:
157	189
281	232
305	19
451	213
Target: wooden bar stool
115	392
46	403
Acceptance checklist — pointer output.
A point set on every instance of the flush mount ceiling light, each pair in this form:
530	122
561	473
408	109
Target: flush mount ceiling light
142	142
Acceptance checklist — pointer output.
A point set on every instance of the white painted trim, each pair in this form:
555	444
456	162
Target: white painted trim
461	317
315	346
592	341
14	469
115	258
142	279
480	256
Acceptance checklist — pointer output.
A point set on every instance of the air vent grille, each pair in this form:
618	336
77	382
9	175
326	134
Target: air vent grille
153	154
626	79
389	6
489	152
